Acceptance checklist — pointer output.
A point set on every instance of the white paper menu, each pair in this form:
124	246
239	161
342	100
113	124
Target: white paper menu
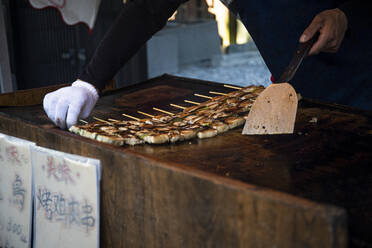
66	201
15	192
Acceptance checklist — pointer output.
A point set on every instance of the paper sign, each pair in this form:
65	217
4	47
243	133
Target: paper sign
66	201
15	192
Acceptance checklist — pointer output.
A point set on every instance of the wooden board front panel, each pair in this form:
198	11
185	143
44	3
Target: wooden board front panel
228	191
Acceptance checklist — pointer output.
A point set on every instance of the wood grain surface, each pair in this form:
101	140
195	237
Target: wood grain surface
27	97
309	189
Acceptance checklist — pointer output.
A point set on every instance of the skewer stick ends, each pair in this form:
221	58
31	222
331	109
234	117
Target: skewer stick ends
217	93
232	87
177	106
200	95
143	113
98	119
196	103
132	117
163	111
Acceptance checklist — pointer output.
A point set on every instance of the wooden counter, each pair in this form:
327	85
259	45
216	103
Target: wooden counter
309	189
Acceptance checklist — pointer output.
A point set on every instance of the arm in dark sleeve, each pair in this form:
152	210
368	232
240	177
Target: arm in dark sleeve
137	22
357	12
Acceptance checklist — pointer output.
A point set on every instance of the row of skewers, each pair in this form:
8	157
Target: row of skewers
111	121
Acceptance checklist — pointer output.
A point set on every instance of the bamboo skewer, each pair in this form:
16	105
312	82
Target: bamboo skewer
85	122
113	120
217	93
163	111
98	119
232	87
199	95
131	117
177	106
196	103
143	113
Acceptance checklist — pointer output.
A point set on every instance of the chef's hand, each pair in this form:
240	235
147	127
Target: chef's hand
332	25
66	105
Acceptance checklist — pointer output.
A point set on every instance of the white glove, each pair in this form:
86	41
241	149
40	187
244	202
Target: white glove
66	105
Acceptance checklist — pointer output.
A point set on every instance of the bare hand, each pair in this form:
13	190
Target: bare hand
332	25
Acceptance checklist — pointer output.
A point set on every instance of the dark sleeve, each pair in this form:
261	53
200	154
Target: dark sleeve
137	22
357	12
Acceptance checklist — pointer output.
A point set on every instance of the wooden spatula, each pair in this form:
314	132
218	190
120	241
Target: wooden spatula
274	111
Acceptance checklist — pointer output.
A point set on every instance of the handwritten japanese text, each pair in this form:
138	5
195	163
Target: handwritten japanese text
67	211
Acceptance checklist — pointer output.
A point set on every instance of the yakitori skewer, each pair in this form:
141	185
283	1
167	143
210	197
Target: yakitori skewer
200	95
232	87
143	113
132	117
217	93
85	122
196	103
177	106
163	111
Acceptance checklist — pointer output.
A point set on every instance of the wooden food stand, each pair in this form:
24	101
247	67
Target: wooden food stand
309	189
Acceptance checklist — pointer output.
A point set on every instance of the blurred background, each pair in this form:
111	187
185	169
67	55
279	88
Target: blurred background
201	40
